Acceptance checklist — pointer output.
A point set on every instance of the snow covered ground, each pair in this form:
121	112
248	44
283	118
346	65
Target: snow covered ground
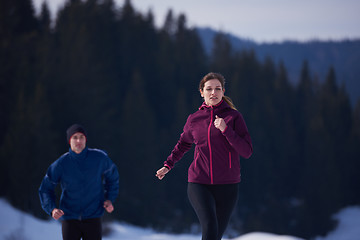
15	225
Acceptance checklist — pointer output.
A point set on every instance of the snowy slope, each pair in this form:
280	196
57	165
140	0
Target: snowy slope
17	225
348	227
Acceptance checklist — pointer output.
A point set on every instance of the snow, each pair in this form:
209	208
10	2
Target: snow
348	227
15	224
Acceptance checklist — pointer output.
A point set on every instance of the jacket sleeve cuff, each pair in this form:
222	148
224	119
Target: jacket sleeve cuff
167	166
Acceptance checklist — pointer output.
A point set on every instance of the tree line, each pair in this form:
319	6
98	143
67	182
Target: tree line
132	86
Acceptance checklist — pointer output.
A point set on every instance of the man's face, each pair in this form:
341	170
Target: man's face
78	142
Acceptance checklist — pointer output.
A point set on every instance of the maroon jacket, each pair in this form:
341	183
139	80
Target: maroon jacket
216	156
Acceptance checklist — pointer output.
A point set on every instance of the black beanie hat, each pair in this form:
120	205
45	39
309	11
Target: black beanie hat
75	128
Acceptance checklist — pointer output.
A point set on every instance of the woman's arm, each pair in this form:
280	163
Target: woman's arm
239	137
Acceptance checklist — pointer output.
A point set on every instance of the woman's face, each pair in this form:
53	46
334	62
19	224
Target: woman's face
78	142
212	92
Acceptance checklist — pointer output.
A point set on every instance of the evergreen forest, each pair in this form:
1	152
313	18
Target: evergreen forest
132	85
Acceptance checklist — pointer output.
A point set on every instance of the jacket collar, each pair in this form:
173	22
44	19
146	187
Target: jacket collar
80	156
221	104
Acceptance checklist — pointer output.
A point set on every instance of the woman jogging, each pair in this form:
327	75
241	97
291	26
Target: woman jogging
220	136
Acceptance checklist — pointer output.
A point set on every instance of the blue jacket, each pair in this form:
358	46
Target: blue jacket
87	180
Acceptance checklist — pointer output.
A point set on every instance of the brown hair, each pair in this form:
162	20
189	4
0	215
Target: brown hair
218	76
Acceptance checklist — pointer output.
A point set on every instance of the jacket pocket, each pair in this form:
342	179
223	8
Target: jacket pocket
229	159
196	158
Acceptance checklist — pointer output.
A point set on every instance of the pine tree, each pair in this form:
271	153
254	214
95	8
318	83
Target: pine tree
221	55
28	147
138	150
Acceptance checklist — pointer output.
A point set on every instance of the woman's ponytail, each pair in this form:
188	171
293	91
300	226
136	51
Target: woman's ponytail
229	101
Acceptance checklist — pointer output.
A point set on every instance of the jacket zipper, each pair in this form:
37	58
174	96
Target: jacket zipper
209	143
196	157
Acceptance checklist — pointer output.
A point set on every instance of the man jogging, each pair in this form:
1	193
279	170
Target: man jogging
90	184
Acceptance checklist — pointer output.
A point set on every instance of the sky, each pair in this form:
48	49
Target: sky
15	224
258	20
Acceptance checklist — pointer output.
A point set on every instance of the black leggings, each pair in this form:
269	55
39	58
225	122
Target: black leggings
213	205
87	229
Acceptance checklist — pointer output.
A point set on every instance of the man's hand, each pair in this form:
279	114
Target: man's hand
108	206
57	213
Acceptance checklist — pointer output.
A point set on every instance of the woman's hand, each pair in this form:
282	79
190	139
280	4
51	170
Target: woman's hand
162	172
57	213
108	206
220	124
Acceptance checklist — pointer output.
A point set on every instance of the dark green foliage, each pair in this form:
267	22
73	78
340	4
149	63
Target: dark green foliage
133	86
